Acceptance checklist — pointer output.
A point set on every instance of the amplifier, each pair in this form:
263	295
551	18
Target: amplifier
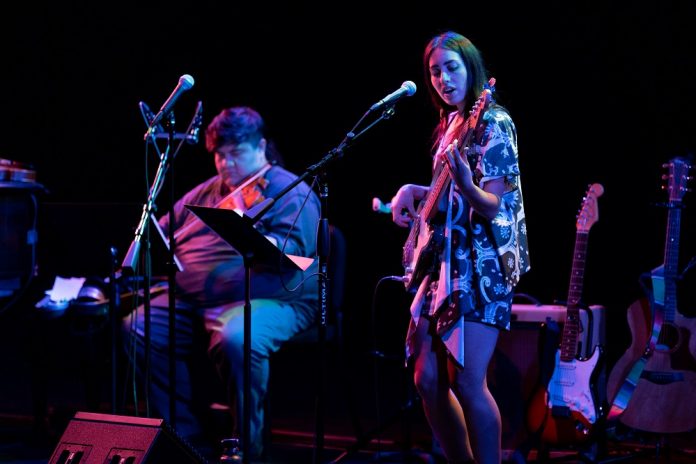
525	355
592	322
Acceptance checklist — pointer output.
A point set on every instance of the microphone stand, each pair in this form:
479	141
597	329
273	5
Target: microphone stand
171	279
322	251
133	255
114	304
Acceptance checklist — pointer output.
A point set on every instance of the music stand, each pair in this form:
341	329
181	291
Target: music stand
257	251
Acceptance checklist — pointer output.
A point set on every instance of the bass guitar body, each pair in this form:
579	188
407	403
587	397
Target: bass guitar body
426	245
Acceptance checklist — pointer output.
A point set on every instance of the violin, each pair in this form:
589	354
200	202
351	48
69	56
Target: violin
248	194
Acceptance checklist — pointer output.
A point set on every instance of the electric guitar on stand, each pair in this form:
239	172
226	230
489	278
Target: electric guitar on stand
565	411
658	371
421	244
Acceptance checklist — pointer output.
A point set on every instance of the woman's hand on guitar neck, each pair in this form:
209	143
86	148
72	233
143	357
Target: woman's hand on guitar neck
403	205
486	200
459	167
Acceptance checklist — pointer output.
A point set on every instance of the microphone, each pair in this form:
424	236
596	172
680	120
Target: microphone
185	83
195	129
148	116
407	89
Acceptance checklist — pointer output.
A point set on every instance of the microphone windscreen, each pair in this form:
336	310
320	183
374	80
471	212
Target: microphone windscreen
410	87
186	81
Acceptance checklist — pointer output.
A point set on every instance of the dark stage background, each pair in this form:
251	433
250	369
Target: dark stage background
600	92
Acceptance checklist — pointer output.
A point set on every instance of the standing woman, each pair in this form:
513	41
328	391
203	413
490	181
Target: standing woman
465	296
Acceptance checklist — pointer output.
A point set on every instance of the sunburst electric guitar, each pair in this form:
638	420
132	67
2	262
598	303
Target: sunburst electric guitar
423	239
564	411
652	385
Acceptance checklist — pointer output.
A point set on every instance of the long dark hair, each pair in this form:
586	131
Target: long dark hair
475	68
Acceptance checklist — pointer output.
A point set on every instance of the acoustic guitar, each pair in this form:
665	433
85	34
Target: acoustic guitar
652	385
565	411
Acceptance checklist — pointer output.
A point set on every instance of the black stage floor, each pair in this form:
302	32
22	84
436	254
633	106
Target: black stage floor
51	370
20	444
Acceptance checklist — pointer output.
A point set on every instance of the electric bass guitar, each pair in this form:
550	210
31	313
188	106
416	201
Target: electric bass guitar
424	239
565	411
652	385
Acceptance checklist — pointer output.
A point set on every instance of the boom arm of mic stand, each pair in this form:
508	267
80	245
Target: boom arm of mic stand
259	210
262	208
257	213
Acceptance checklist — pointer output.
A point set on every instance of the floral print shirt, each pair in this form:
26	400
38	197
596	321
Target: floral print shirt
481	261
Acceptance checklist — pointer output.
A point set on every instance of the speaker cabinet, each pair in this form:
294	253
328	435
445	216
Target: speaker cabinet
524	361
103	438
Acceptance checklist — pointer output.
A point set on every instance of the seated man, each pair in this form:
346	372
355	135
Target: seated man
210	292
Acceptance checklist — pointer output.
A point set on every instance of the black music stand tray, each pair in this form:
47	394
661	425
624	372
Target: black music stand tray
258	252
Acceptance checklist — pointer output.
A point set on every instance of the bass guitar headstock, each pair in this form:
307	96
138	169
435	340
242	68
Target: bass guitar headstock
481	103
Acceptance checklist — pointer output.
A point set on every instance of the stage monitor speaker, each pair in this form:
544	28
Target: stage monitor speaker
92	438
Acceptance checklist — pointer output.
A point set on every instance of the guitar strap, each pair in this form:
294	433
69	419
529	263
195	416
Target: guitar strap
628	386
